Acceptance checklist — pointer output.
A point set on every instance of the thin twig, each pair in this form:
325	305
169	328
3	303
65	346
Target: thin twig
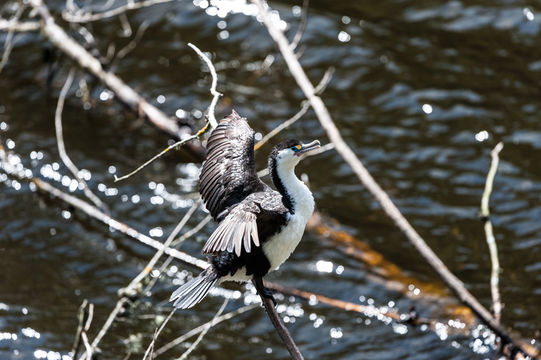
81	320
8	43
19	26
150	265
215	94
200	328
150	348
302	25
175	243
305	106
130	289
130	5
133	42
62	148
381	196
491	241
161	153
204	332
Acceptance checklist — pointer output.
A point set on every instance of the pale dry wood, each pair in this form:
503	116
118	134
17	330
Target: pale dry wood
489	233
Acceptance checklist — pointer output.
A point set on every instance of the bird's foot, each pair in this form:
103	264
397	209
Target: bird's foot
268	294
264	291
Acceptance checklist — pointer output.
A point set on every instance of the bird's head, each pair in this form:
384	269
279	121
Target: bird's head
290	152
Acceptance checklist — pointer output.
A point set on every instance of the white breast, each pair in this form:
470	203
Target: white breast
280	246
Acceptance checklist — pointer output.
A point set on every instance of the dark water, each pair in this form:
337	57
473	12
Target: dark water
422	92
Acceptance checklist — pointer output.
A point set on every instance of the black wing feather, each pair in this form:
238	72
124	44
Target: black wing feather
229	173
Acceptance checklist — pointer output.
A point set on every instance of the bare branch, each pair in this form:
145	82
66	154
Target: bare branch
489	234
90	17
302	25
19	26
8	44
368	181
204	332
305	106
199	329
62	148
276	321
124	93
161	153
216	95
148	268
150	348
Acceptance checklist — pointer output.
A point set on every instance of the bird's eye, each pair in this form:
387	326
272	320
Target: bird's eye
296	148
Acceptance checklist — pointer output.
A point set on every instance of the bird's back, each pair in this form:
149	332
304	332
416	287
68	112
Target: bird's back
229	175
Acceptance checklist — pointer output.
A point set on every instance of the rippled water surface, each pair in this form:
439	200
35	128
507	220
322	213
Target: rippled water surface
422	91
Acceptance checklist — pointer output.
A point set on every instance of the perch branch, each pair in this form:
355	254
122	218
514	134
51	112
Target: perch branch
58	37
276	321
491	241
381	196
215	94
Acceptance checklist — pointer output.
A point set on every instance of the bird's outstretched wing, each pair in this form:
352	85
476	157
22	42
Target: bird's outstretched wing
246	224
237	231
229	173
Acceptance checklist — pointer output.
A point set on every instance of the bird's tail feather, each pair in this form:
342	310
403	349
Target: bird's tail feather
194	290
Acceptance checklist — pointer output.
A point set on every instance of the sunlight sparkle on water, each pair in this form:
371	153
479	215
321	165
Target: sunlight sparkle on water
528	14
336	333
156	232
31	333
7	336
481	136
224	34
324	266
344	36
427	108
181	114
106	95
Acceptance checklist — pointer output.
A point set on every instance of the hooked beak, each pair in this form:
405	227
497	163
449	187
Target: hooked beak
305	148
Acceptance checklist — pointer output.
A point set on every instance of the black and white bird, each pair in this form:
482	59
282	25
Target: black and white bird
258	227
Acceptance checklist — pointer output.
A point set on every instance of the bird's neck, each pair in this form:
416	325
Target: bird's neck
295	194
